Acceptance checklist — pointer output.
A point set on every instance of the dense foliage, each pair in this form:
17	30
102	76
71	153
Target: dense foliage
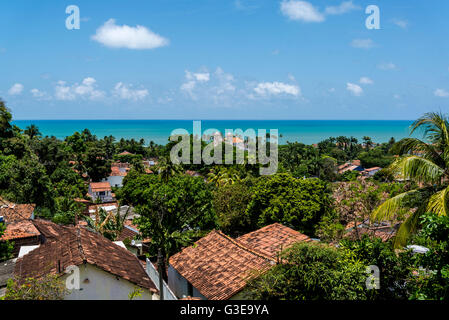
296	202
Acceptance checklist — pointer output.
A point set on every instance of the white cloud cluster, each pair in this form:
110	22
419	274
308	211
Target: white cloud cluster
301	10
442	93
40	95
344	7
307	12
87	89
277	88
126	92
401	23
355	89
16	89
362	43
139	37
216	86
387	66
366	80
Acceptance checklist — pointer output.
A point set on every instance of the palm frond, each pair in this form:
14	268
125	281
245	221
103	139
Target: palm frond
435	127
392	206
407	228
418	169
438	203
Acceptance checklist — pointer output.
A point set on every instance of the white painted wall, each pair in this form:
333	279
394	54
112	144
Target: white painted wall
115	181
104	286
179	285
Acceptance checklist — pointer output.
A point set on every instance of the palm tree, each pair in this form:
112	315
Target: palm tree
224	176
110	225
427	164
32	131
166	168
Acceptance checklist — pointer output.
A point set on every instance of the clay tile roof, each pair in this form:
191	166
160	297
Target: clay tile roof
100	186
356	163
115	172
16	212
65	246
19	230
127	233
374	168
124	153
218	266
272	239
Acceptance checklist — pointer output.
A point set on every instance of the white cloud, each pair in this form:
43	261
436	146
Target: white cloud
362	43
216	86
301	11
442	93
16	89
387	66
277	88
366	80
401	23
126	92
139	37
200	76
355	89
87	89
40	95
344	7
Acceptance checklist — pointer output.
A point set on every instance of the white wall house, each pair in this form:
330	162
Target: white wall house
96	284
115	181
101	191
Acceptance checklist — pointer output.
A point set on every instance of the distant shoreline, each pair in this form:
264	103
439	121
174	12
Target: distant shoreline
304	131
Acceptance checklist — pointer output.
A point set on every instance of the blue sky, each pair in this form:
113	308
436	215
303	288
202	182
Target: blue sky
224	59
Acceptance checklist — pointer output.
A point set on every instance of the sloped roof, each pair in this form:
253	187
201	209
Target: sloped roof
65	246
16	212
272	239
19	230
218	266
100	186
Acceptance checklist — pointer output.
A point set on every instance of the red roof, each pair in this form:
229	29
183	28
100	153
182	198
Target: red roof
16	212
65	246
19	230
272	239
100	186
219	266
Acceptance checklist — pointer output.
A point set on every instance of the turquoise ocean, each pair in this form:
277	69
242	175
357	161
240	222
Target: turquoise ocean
304	131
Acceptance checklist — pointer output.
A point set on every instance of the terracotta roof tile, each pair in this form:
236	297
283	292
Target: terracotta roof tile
21	229
66	246
100	186
16	212
272	239
218	266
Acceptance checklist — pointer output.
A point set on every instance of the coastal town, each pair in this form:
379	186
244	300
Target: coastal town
98	219
224	159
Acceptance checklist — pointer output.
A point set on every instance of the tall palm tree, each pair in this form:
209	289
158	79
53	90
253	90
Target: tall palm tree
166	168
427	164
32	131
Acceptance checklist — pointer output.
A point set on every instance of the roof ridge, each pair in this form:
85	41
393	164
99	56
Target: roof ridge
242	246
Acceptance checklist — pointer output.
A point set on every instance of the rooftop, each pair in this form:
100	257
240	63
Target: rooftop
20	229
218	266
272	239
100	186
16	212
65	246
